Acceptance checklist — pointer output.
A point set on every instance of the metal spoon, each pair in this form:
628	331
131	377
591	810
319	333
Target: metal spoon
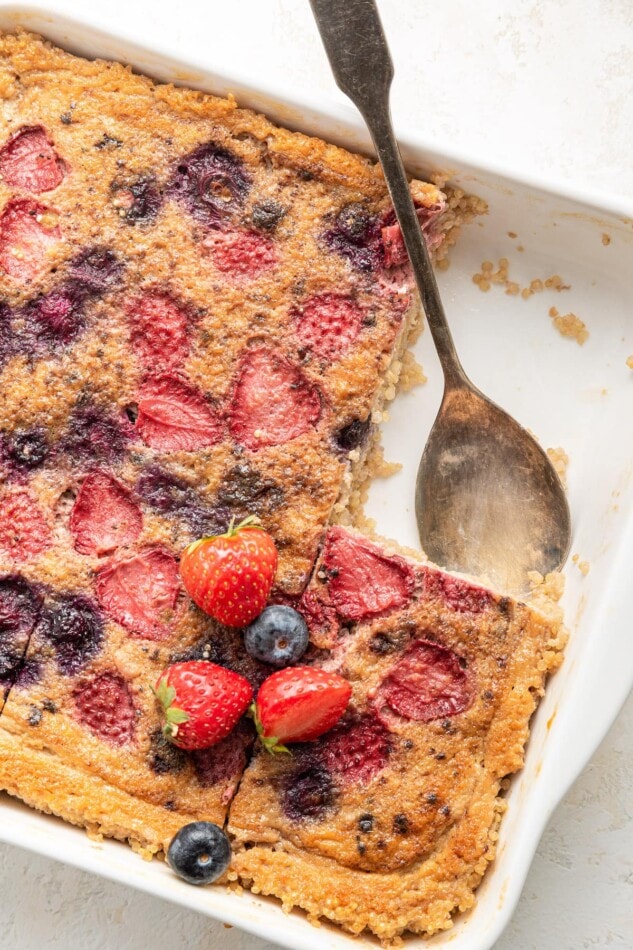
488	500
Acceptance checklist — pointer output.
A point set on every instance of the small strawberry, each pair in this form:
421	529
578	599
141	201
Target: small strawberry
229	576
201	702
299	704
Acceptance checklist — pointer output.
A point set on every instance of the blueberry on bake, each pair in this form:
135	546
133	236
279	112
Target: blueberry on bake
279	636
74	626
27	448
355	235
138	200
94	435
20	606
211	183
96	268
199	853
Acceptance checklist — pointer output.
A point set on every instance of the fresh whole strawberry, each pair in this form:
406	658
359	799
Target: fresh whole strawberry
230	575
299	704
201	703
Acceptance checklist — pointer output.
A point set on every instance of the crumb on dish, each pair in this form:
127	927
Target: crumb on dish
560	460
583	566
569	325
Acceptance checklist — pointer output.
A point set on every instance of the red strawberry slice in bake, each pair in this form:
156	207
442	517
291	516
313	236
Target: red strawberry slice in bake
159	331
458	594
24	531
104	706
141	592
272	402
428	683
328	324
355	752
104	516
173	416
362	581
394	251
28	231
241	253
29	161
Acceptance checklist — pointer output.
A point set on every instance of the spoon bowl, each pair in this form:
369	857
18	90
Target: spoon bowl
488	500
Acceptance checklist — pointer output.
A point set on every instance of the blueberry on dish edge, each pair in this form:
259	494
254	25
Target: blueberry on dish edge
279	636
199	853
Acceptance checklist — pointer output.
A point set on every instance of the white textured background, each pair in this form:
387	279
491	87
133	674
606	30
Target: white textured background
544	88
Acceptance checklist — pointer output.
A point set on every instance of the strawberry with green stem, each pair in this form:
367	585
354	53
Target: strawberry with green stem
201	703
298	704
230	575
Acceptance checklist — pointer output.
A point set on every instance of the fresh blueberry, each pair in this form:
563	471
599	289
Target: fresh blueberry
279	636
199	853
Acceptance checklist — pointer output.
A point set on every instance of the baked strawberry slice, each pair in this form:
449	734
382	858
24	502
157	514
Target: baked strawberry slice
104	516
241	254
299	704
141	592
29	161
230	575
458	594
24	531
103	705
362	581
159	331
429	682
28	231
356	751
173	416
328	324
201	703
394	250
272	402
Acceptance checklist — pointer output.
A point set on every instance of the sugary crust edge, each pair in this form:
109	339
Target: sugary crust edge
41	779
32	54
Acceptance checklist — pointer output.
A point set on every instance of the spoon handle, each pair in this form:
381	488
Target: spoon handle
357	49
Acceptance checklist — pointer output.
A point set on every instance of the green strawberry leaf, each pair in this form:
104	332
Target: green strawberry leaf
176	716
270	743
164	693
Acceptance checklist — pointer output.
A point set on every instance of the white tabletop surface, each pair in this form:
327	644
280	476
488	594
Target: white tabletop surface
542	87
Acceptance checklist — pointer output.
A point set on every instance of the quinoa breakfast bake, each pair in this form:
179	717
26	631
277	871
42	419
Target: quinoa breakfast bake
202	316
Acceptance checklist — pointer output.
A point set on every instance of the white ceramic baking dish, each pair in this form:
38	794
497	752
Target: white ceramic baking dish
571	396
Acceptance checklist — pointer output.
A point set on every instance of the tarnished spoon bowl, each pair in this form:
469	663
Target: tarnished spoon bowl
488	501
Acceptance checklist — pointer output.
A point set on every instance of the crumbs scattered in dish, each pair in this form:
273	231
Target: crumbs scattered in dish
569	325
583	566
489	276
606	239
560	460
629	361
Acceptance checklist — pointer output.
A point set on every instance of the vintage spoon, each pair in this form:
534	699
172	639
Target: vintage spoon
488	500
